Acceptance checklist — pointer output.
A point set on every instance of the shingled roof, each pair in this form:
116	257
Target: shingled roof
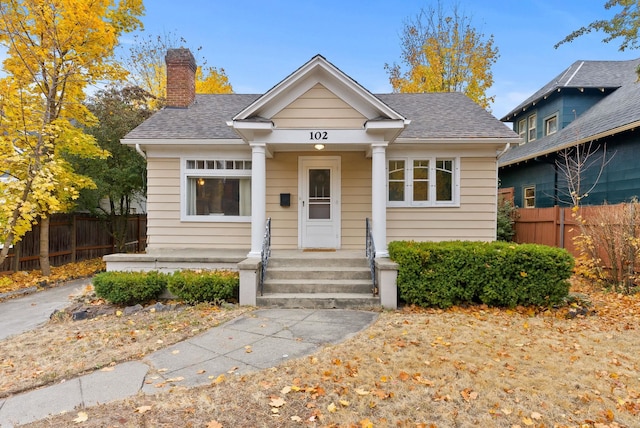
615	113
433	116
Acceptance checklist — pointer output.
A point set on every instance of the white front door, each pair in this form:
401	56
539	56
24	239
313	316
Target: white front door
319	192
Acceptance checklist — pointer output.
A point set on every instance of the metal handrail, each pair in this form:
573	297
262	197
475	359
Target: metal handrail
370	251
265	254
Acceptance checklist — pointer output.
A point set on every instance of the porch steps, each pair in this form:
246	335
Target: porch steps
318	280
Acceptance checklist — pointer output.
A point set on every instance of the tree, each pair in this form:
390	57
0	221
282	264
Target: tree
120	178
624	24
443	52
145	62
213	82
55	49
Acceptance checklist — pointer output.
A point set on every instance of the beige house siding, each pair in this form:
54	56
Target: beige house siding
318	108
475	219
164	228
282	177
356	198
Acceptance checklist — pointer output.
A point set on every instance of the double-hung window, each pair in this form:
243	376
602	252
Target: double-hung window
551	125
533	119
423	181
216	190
522	129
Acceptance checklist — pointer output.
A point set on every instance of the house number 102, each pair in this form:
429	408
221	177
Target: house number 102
318	135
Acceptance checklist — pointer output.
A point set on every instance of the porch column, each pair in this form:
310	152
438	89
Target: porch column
258	197
379	198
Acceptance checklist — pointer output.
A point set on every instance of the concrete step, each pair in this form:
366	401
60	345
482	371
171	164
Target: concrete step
336	286
312	262
314	272
318	301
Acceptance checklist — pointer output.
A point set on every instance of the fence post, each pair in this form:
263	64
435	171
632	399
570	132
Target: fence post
16	256
74	234
561	227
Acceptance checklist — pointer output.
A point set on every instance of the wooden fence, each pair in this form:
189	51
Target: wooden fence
556	226
74	237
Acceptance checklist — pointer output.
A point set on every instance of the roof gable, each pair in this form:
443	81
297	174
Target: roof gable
317	71
582	74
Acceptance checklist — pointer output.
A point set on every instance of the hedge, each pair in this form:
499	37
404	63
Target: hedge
129	288
443	274
204	286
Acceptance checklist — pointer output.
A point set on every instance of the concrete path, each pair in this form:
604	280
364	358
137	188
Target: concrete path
25	313
252	342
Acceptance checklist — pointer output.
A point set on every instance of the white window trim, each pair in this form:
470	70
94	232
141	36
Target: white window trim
185	174
524	196
546	124
522	129
408	184
533	128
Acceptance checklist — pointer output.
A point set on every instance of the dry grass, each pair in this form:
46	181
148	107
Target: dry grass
426	368
63	348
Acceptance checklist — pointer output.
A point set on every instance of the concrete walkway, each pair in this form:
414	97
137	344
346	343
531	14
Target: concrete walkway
252	342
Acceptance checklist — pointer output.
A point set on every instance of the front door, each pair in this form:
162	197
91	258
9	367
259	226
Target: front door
319	192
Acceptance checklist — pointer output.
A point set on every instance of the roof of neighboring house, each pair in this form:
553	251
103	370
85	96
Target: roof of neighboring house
433	116
615	113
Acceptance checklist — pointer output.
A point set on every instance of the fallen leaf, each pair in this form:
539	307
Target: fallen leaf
361	391
201	372
248	349
535	415
296	418
175	352
82	417
218	380
143	409
285	390
277	402
527	421
332	408
344	403
214	424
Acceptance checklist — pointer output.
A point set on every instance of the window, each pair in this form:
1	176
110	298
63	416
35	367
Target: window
532	127
522	129
217	190
551	125
529	197
423	182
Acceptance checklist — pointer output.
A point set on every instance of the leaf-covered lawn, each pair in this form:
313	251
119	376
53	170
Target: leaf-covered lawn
473	366
59	274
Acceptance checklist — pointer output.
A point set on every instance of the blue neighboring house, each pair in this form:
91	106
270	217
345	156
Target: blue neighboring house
594	103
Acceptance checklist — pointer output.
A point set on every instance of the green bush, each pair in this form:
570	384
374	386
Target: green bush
129	288
444	274
204	286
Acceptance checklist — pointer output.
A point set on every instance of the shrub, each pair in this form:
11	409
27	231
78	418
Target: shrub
506	220
129	288
444	274
204	286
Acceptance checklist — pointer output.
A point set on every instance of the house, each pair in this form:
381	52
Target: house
594	105
306	165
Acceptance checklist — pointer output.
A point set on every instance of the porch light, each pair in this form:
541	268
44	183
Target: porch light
318	146
201	181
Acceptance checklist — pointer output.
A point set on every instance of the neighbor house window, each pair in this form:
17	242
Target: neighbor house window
529	197
532	127
551	125
522	129
217	189
423	181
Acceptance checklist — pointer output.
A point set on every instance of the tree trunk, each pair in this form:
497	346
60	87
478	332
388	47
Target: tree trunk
44	246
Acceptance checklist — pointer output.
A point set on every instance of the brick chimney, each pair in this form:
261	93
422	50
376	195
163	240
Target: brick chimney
181	77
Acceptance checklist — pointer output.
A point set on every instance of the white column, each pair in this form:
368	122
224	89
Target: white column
258	198
379	198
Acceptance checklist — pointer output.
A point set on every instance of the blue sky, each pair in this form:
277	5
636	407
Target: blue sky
259	43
